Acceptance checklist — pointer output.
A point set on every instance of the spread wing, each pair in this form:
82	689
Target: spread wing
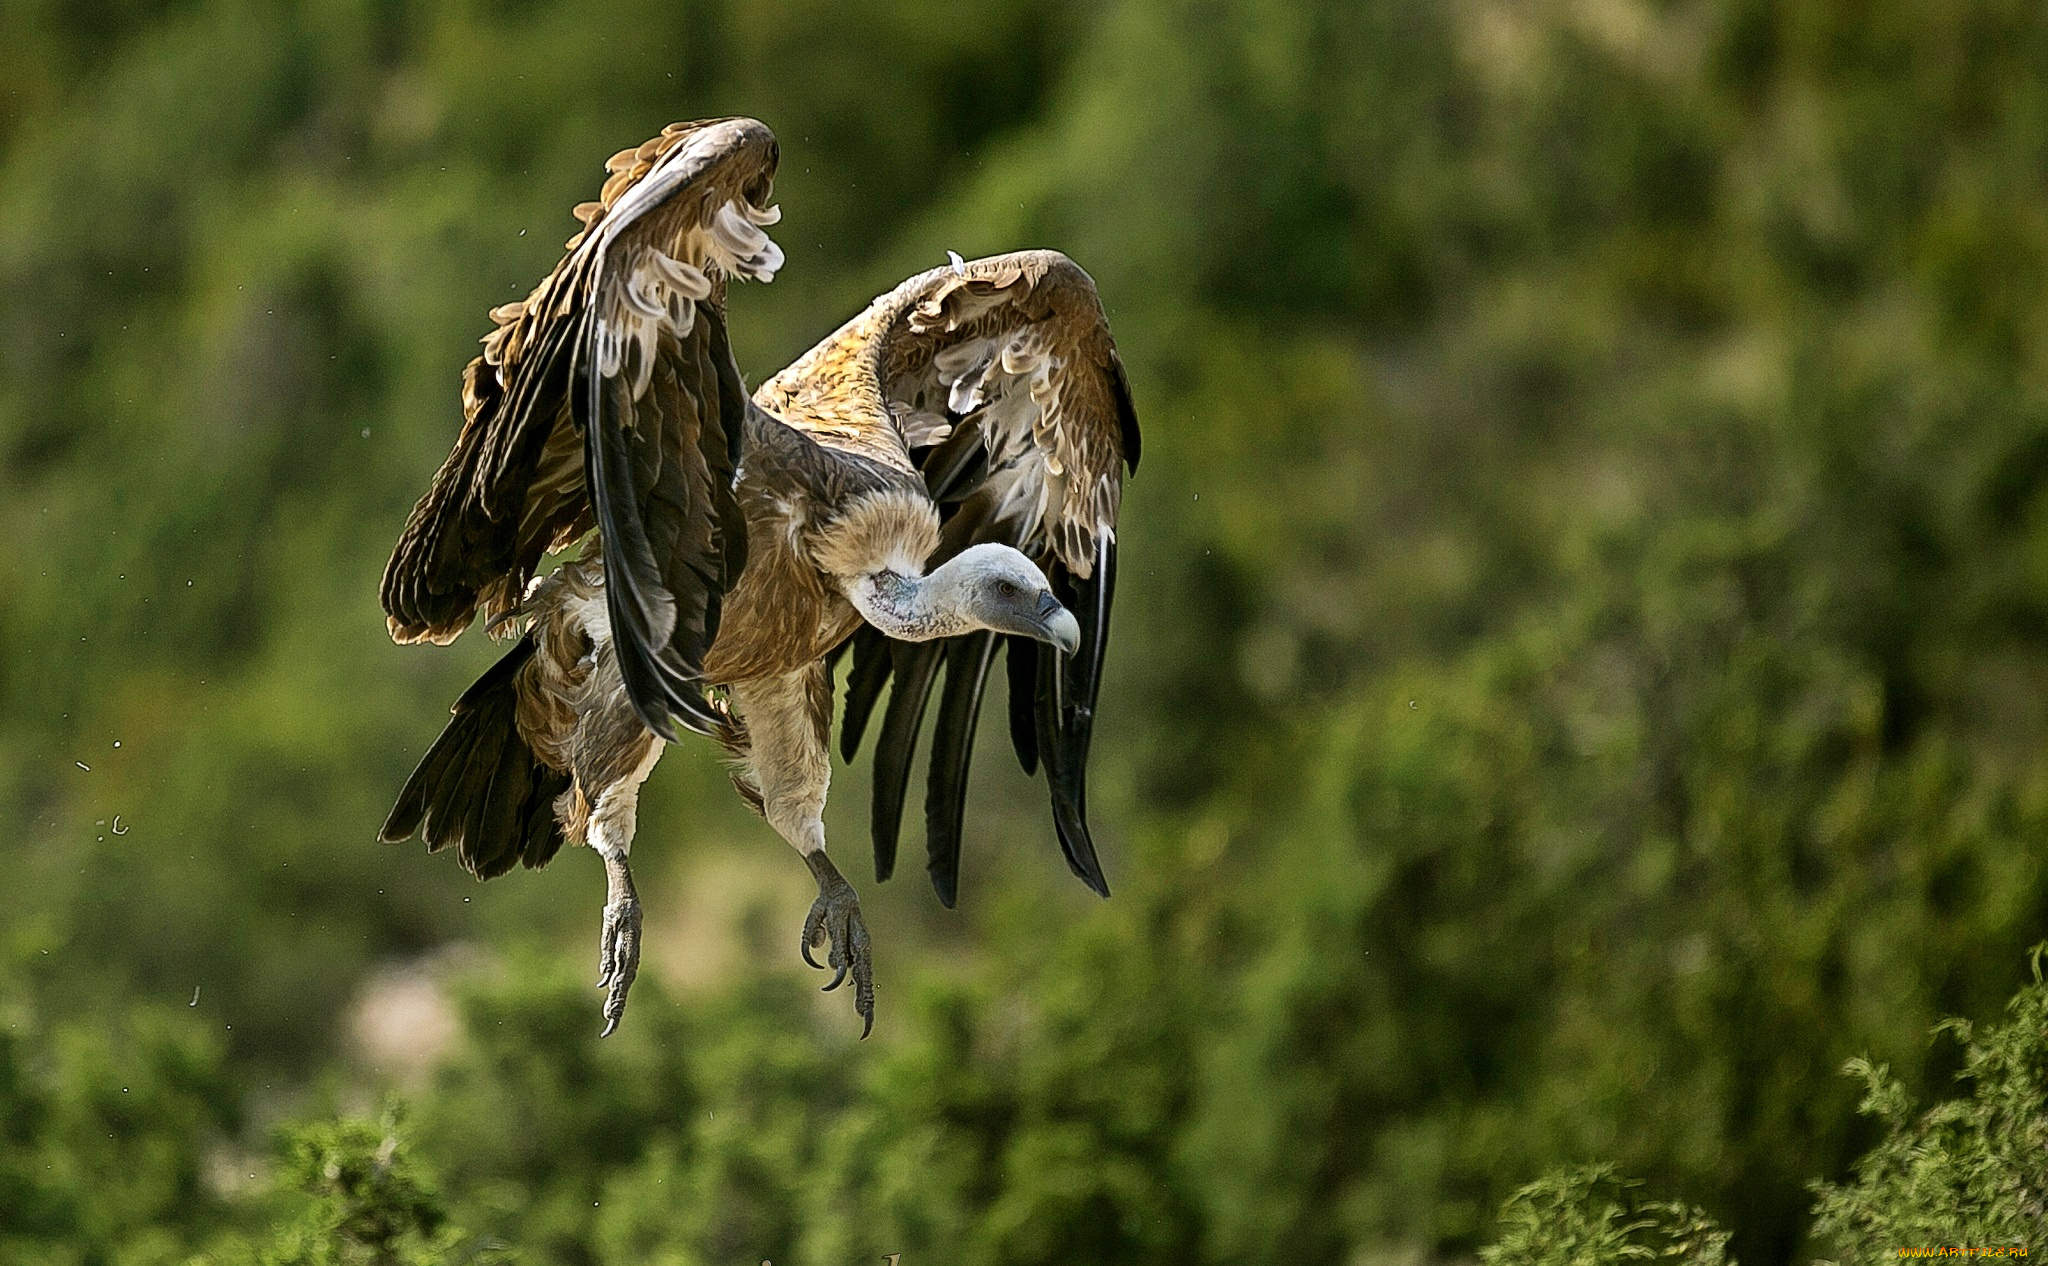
609	398
999	382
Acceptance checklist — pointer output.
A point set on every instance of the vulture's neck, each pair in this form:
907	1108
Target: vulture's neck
909	608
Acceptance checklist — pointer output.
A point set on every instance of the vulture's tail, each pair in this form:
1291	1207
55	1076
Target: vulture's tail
480	786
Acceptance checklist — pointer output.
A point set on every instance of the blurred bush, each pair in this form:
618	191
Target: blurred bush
572	1151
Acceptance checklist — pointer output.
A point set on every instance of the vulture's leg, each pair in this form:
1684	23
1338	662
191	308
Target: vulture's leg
613	755
789	723
618	946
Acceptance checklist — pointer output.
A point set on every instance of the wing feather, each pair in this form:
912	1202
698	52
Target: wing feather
609	398
1065	710
1022	661
916	667
945	805
871	663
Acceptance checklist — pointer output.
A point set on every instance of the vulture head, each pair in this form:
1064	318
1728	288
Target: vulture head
996	587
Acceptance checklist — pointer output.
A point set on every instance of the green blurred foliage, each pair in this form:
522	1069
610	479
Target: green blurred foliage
107	1128
360	1201
1579	680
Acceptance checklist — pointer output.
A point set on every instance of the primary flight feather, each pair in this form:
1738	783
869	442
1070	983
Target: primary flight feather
935	482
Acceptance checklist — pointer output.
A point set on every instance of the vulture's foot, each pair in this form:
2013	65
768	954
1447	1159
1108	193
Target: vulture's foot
835	916
618	949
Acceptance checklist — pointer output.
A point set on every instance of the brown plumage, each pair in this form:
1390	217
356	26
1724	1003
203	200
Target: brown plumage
938	478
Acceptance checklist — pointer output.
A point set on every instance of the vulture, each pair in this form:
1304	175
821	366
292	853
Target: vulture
935	482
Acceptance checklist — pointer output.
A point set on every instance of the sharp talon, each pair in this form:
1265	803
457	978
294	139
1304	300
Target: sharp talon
814	928
835	919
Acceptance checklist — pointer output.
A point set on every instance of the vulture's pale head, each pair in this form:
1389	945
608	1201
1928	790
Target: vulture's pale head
997	587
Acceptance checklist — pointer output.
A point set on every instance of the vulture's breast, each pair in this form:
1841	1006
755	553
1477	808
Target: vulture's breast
816	519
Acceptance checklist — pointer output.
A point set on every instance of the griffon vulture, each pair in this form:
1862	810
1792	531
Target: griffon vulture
937	480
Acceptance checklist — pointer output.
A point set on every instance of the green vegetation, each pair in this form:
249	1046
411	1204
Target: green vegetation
1580	676
1587	1215
578	1151
1969	1171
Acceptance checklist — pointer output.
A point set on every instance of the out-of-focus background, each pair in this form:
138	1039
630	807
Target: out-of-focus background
1580	675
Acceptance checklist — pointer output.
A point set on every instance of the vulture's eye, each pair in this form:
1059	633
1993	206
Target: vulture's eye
1007	589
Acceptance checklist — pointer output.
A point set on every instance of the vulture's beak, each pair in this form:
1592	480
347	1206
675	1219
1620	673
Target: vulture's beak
1059	625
